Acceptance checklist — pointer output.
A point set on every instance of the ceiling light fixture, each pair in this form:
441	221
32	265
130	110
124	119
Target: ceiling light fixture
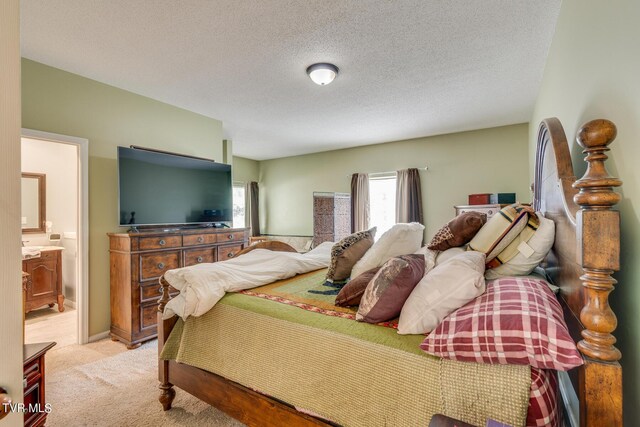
322	73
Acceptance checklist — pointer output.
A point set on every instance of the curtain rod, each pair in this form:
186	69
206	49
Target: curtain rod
426	168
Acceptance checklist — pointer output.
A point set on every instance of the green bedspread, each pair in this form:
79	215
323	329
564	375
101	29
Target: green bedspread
287	340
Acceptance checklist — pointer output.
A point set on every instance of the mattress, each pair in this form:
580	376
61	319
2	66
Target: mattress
288	341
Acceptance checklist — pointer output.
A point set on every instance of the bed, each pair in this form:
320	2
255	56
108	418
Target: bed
584	257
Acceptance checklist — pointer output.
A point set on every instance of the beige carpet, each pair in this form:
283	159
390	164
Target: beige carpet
104	384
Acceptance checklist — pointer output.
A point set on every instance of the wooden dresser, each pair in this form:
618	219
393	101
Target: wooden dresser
137	261
45	280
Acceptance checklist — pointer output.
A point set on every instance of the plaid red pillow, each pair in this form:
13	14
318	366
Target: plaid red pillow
517	321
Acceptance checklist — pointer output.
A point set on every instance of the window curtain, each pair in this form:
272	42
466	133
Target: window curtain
409	196
252	214
359	202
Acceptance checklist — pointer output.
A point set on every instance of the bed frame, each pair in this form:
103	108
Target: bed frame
584	257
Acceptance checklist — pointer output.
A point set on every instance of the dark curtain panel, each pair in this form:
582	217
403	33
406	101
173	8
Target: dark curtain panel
253	212
359	202
409	196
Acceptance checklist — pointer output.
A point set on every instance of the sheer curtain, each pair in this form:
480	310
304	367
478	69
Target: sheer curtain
409	196
252	214
359	202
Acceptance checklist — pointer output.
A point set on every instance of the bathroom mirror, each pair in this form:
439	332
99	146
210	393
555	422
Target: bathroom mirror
34	202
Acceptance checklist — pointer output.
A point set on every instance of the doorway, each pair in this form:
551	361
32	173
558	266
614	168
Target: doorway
56	301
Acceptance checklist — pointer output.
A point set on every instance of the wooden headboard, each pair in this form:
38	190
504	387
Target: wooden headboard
585	254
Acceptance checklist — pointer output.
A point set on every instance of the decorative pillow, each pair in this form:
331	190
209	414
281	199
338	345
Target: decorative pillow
347	252
500	230
445	256
512	248
459	231
430	257
444	289
517	321
390	287
401	239
351	293
528	253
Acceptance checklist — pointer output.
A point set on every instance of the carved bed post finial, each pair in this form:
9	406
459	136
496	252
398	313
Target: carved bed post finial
598	241
165	296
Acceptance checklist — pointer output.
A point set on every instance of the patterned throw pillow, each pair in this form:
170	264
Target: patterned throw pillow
529	253
389	289
459	231
500	231
347	252
351	293
518	321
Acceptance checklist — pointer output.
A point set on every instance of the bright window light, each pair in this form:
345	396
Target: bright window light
238	206
382	203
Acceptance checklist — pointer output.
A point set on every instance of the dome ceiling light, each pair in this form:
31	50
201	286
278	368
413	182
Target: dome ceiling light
322	73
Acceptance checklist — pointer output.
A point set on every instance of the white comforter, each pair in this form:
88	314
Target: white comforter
202	286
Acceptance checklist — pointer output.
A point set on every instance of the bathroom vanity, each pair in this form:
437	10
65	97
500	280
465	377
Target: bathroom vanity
44	286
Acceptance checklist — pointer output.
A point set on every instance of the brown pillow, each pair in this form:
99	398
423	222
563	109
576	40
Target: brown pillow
347	252
351	293
459	231
389	289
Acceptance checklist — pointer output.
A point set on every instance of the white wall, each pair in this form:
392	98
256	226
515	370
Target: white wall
60	164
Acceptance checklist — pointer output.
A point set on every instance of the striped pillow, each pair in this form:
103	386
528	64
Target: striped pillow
500	231
518	321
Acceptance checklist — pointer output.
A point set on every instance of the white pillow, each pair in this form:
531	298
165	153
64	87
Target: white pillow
430	257
445	256
446	288
530	253
401	239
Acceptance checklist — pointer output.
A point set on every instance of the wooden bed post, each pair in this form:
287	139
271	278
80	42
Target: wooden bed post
598	236
167	393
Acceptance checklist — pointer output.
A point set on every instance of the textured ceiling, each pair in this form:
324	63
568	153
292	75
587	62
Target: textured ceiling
408	68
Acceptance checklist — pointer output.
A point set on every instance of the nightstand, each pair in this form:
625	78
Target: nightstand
490	210
34	382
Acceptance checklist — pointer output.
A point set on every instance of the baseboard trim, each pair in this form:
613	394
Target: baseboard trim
70	304
98	337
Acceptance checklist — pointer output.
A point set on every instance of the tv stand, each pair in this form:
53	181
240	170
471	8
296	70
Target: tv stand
141	256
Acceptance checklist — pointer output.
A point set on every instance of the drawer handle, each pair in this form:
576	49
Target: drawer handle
162	242
199	259
230	236
230	255
161	265
200	239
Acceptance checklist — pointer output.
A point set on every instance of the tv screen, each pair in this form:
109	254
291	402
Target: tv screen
162	189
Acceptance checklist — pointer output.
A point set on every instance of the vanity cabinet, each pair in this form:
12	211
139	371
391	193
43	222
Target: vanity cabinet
45	280
138	260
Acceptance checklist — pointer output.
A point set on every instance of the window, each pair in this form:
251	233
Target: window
382	203
239	205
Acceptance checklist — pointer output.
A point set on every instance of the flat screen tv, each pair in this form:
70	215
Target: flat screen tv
157	188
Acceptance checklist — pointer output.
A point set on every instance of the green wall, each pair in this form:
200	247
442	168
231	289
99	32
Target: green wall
245	170
483	161
60	102
593	71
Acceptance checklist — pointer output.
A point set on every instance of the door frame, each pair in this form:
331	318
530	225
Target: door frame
82	304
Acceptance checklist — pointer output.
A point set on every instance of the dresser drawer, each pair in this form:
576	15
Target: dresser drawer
148	316
32	372
160	242
490	210
153	266
228	251
49	254
150	292
198	256
198	239
230	237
